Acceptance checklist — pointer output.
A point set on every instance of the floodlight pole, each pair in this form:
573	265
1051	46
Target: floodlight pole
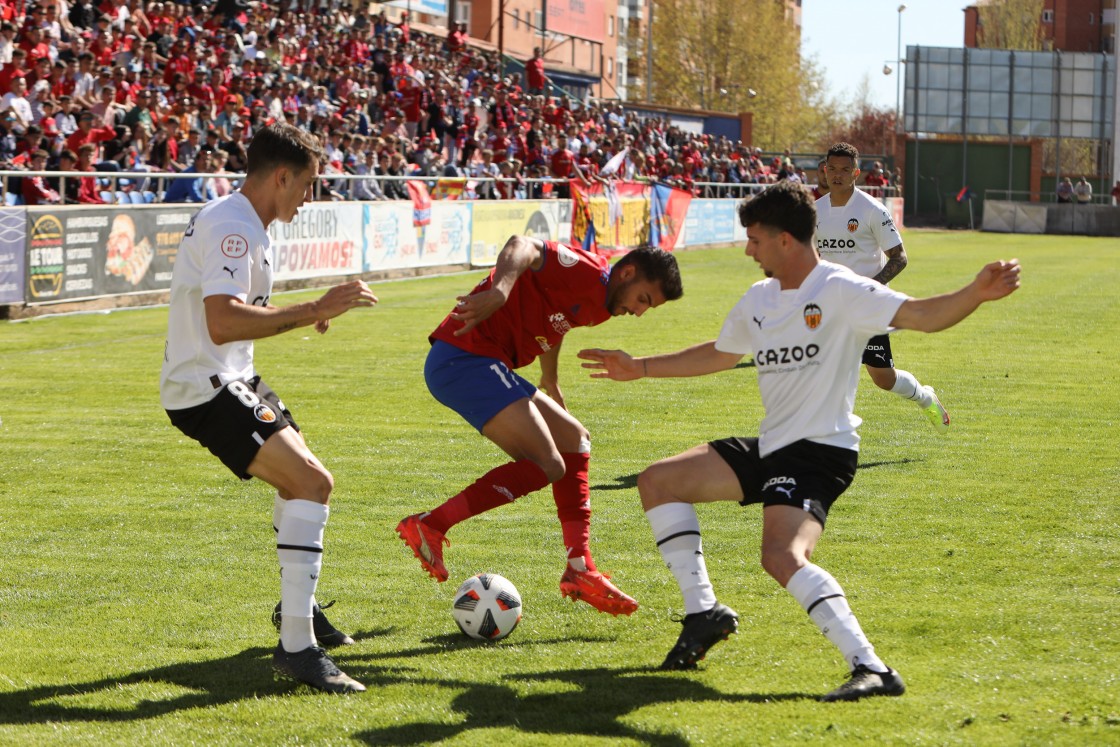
898	70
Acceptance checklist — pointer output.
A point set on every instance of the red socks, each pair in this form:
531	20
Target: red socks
497	487
512	480
572	494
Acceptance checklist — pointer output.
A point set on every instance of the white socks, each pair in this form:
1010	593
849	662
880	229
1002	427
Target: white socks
820	595
677	533
907	387
299	546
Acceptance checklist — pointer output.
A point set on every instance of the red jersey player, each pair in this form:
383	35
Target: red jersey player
537	292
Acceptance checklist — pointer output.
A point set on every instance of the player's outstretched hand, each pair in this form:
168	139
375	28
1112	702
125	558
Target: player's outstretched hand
998	279
476	308
612	364
342	298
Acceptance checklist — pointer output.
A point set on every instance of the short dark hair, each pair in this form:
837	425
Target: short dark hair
846	150
282	144
785	206
658	265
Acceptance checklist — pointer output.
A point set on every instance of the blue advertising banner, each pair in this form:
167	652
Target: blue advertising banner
13	239
710	222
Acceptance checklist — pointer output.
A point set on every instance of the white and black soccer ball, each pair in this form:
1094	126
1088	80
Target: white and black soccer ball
487	607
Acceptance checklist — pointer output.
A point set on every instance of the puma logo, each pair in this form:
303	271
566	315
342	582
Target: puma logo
758	321
787	491
231	272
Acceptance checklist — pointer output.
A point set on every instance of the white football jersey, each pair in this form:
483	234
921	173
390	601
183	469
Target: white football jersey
856	235
807	344
225	251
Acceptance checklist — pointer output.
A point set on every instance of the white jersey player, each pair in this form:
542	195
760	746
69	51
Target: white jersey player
855	230
224	251
804	327
211	391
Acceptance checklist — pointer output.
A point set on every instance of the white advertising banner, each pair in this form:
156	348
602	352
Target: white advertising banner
447	239
325	238
391	241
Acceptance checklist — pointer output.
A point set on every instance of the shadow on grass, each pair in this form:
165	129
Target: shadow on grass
887	463
242	676
442	644
591	703
625	482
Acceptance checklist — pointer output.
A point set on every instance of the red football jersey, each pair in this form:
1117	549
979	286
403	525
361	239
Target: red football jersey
568	291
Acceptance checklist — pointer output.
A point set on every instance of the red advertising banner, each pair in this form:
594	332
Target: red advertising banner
584	19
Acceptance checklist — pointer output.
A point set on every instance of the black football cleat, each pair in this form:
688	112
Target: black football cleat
702	630
865	683
313	667
326	634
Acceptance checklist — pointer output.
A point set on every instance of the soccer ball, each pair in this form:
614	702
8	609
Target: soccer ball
487	607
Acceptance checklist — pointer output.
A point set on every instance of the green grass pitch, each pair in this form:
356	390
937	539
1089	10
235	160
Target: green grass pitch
137	576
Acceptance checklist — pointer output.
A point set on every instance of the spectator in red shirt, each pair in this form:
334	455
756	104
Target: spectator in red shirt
404	28
563	166
88	134
585	162
88	191
502	112
875	180
457	39
412	101
534	73
36	191
499	143
14	69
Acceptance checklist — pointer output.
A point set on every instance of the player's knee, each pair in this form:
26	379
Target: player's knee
781	562
316	484
553	467
884	378
652	487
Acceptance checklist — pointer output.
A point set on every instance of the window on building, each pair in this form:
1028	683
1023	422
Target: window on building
610	67
1092	20
538	20
463	12
516	19
1047	16
610	25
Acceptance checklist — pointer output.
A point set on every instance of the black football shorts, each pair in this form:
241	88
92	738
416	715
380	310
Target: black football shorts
877	354
236	422
805	475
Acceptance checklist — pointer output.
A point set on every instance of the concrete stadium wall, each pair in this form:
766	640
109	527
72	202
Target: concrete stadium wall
1005	216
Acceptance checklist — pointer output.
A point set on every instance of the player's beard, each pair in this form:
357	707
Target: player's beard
614	297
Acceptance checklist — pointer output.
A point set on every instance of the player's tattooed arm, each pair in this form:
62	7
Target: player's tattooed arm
896	263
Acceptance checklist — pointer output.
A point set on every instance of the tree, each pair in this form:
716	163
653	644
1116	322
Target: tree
869	128
713	54
1010	24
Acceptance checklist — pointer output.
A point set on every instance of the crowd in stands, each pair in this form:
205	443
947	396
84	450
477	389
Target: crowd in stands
159	86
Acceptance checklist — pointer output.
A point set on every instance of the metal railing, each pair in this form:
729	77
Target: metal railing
1024	195
337	186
